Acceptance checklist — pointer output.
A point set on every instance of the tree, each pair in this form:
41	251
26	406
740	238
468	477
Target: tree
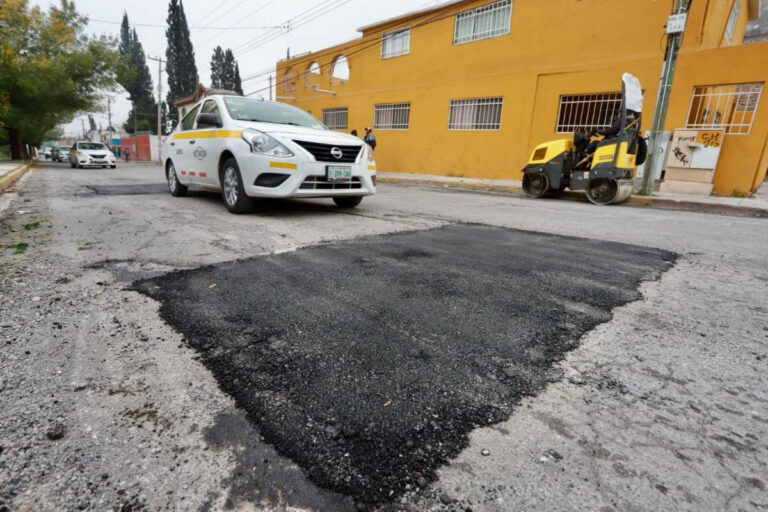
49	70
238	82
225	72
217	68
136	80
180	56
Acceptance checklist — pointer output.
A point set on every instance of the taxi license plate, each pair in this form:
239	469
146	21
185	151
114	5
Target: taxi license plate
339	173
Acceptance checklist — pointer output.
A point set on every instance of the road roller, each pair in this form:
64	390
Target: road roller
601	166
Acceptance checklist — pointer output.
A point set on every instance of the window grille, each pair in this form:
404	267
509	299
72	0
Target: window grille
392	116
475	114
336	118
396	43
725	107
586	112
730	28
483	22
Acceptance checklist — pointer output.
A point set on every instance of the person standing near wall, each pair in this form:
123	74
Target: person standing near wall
370	138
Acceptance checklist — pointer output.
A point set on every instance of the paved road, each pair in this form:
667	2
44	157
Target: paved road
662	406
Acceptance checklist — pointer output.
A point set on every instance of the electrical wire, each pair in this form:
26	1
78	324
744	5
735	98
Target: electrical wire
150	25
247	46
373	40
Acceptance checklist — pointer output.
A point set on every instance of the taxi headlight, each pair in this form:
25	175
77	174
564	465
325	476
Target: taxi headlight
369	150
262	143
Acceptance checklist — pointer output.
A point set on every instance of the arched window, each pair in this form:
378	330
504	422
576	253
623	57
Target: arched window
340	70
312	75
289	80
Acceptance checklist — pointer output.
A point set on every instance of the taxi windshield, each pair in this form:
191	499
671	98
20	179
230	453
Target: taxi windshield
91	145
244	109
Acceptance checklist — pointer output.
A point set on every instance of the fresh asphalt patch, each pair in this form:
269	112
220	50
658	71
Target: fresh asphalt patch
369	362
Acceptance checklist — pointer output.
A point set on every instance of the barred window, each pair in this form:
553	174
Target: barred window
483	22
729	107
475	114
336	118
585	112
730	28
396	43
392	116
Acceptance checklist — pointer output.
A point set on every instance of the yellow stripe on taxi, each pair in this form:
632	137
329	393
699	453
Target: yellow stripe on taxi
283	165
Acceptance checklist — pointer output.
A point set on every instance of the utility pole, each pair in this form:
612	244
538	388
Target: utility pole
675	32
82	124
109	118
270	87
160	63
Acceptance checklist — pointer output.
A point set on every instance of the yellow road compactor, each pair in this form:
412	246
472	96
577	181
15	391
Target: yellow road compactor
602	168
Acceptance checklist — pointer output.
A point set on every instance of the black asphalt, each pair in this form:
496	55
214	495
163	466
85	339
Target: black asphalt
369	362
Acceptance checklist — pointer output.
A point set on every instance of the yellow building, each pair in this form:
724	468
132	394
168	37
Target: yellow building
471	87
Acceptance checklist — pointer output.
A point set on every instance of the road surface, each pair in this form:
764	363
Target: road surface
432	349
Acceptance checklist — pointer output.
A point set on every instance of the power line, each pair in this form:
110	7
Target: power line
374	40
243	48
150	25
248	16
221	4
368	42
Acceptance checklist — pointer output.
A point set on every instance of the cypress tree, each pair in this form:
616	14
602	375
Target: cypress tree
225	72
238	82
138	81
218	73
180	56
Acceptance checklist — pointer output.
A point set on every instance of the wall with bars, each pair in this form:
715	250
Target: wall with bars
547	53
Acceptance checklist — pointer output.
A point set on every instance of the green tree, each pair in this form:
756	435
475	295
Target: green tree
238	82
217	68
225	72
49	70
180	56
136	79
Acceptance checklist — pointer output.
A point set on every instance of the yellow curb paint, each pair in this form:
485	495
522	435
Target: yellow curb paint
10	178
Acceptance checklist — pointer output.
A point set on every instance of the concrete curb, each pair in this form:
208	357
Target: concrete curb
653	202
9	179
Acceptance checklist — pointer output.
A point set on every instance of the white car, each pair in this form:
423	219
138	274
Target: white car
47	153
249	148
91	154
61	153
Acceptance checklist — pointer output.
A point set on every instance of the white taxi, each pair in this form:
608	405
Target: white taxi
248	148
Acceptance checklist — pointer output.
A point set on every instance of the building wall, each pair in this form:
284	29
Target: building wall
569	47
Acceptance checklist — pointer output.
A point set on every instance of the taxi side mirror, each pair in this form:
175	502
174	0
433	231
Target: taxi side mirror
208	120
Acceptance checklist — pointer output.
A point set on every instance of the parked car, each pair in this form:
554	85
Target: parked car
91	154
47	153
61	153
248	148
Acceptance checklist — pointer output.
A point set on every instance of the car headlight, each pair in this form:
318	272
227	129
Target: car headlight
369	150
262	143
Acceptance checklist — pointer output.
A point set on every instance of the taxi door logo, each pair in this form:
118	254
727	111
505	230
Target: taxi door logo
200	153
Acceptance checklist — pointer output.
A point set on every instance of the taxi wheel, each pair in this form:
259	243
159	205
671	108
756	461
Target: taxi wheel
174	187
232	190
348	201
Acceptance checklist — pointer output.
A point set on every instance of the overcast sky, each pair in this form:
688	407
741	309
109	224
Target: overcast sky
234	23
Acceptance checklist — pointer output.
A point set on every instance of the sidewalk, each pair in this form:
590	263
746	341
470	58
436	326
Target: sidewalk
756	206
12	170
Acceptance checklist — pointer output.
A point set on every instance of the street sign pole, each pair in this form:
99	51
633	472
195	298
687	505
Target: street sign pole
675	32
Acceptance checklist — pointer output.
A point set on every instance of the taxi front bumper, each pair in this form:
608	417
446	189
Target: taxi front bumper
275	178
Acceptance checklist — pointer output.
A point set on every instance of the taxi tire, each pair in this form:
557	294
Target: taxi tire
348	201
243	203
180	190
